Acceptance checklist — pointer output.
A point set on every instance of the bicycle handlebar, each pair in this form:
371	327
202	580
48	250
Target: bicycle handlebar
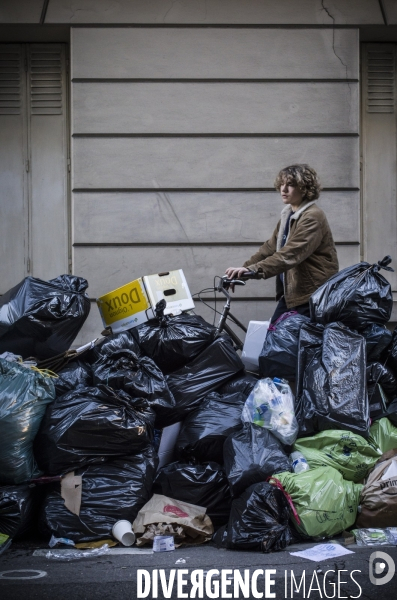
225	283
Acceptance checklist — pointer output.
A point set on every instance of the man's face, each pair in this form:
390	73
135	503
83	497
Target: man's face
290	194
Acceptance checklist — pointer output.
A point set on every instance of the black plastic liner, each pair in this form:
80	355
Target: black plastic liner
208	371
76	374
251	455
110	492
204	485
136	375
242	383
258	521
390	355
205	430
378	373
358	296
42	318
390	412
172	342
378	402
91	425
18	509
111	344
280	350
378	339
331	391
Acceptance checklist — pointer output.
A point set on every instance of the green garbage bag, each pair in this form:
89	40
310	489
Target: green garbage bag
24	395
325	502
383	434
347	452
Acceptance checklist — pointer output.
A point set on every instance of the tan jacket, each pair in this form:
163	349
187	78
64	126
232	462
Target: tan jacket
307	260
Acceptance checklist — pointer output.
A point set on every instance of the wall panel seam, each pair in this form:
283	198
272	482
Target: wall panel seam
211	135
178	244
352	26
201	189
220	300
207	80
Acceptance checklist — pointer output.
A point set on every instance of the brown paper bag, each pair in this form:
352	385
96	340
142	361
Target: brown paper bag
379	494
187	523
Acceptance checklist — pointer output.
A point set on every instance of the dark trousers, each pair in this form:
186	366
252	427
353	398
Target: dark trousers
302	309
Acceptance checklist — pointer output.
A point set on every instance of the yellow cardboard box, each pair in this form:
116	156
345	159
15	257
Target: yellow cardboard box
125	307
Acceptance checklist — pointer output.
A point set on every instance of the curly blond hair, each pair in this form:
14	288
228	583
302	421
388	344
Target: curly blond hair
301	176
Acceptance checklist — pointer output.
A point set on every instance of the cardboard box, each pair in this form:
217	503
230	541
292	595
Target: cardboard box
125	307
172	286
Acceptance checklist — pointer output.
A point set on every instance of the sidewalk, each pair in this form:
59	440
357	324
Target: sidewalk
115	576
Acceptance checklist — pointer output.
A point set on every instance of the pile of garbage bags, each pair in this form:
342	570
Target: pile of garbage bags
87	436
162	427
108	492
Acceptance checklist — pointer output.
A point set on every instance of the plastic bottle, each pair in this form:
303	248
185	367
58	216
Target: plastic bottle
299	462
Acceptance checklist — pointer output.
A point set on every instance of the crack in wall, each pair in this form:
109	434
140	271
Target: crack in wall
201	5
173	2
333	35
325	9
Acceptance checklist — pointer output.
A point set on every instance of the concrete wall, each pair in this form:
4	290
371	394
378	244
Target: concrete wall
182	115
178	134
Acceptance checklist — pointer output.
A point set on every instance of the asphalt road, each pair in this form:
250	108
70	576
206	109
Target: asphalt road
115	577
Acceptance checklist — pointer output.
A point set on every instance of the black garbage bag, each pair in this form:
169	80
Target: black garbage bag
258	521
42	318
378	373
111	344
111	491
309	353
172	342
280	349
390	355
205	429
332	391
251	455
357	296
390	412
242	383
378	339
204	485
378	402
24	397
18	510
204	374
136	375
76	374
90	425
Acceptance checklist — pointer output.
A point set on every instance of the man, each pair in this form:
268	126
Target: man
301	252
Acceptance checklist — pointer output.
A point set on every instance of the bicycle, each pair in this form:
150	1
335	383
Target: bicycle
223	288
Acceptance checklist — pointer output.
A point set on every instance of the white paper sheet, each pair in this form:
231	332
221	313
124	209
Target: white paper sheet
323	552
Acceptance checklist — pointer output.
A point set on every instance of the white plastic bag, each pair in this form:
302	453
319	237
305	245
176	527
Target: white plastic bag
373	537
64	554
271	405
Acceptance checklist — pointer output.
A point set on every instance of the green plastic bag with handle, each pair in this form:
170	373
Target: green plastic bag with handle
326	504
347	452
24	395
384	435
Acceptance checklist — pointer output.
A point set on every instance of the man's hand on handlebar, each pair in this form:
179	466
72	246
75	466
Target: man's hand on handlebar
239	273
236	272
